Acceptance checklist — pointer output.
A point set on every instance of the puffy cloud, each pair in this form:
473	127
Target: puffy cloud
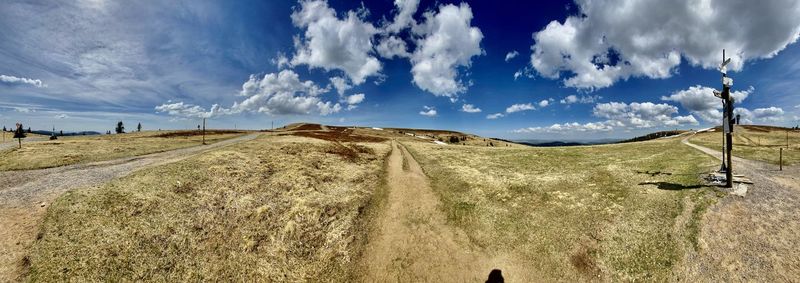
469	108
768	114
682	120
700	100
281	60
428	111
281	94
333	43
392	46
584	99
568	127
612	40
495	116
340	84
404	17
745	115
545	102
183	110
520	107
353	100
511	55
641	115
447	42
18	80
275	94
285	81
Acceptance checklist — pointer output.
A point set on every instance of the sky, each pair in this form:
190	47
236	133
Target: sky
568	70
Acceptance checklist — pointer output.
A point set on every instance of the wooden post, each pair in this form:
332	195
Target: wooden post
780	161
204	130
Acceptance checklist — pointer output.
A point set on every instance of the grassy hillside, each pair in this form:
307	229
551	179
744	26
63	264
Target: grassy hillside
760	143
82	149
279	208
615	212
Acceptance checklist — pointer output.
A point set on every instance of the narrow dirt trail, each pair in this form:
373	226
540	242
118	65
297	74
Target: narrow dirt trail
25	195
755	237
413	243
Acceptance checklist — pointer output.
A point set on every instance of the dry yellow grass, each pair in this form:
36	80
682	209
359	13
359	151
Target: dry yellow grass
618	212
279	208
756	143
82	149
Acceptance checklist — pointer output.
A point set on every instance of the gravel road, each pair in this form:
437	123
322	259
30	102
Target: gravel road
754	238
25	195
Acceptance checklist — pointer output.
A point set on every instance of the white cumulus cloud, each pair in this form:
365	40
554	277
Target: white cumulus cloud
700	100
641	115
612	40
332	43
280	93
353	100
511	55
520	107
428	111
340	84
404	17
447	42
768	114
584	99
568	127
469	108
393	46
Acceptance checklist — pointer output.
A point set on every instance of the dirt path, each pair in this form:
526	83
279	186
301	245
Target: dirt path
752	238
412	242
25	195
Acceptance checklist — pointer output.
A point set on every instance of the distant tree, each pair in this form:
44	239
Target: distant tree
61	132
139	127
4	128
19	134
29	129
120	128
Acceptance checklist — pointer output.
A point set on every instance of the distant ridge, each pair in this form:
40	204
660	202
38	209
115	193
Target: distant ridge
82	133
652	136
551	143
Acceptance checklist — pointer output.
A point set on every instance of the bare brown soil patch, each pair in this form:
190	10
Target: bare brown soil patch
339	134
308	127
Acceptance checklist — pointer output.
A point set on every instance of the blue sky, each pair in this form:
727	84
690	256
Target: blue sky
512	69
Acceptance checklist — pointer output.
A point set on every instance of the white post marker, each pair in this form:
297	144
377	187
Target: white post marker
727	81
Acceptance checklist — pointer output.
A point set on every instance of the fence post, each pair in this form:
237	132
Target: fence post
780	161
